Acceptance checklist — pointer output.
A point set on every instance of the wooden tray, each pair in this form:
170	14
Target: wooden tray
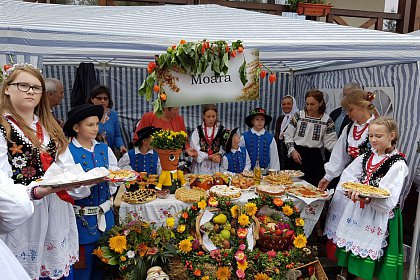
319	270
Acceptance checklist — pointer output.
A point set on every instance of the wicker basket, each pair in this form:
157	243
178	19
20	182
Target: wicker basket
319	270
269	242
200	238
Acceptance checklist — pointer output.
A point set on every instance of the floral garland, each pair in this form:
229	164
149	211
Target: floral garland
192	58
137	245
8	69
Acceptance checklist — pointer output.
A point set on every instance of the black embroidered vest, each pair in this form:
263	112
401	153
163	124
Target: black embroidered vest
215	145
24	158
381	171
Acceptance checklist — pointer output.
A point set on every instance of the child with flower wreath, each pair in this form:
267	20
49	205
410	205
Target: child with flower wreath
368	233
30	141
93	205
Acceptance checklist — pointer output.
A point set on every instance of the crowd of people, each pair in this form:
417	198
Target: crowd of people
52	232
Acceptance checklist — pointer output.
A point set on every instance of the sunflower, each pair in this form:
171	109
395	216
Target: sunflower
118	243
202	204
223	273
299	222
234	211
123	258
243	220
181	228
185	246
205	278
170	222
300	241
251	208
287	210
242	266
261	276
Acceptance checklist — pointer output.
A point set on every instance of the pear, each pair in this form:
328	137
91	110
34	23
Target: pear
225	234
220	219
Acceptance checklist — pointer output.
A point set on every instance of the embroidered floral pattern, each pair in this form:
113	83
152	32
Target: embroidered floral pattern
28	172
15	149
19	162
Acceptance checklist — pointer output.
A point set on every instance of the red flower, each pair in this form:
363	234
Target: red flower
28	172
185	215
197	272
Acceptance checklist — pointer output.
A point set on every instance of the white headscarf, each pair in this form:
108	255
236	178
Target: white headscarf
288	116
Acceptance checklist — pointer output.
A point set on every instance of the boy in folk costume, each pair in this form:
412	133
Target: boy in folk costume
93	205
368	234
259	143
236	159
142	158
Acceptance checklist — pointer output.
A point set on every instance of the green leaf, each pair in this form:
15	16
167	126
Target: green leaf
242	73
142	90
216	65
157	107
112	261
157	240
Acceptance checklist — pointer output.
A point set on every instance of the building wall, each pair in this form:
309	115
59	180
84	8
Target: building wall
371	5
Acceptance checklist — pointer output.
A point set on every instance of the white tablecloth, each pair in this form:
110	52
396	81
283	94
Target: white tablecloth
159	209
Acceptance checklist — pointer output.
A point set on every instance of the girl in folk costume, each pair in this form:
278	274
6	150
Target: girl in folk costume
236	158
30	140
288	108
309	131
353	142
142	158
259	143
206	139
368	233
93	205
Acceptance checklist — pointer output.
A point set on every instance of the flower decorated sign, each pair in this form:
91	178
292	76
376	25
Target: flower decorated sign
202	72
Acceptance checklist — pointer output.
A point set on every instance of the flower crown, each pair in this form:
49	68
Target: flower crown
370	96
8	69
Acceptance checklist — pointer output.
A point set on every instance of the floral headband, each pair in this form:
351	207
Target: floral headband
370	96
8	69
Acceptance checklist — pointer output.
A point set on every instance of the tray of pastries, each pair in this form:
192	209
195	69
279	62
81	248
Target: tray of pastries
190	195
293	173
122	175
306	191
139	196
278	179
225	191
242	182
273	190
366	190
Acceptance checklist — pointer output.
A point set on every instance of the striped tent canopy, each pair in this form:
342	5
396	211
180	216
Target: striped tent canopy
132	35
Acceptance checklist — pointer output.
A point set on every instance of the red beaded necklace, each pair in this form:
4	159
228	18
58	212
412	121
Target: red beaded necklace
209	140
370	168
357	134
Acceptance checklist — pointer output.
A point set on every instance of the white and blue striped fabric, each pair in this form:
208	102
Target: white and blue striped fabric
406	82
133	34
124	82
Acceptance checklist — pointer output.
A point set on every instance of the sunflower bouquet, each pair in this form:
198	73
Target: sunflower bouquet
168	139
136	246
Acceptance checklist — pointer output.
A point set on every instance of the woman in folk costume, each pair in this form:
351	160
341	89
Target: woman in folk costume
353	142
309	131
207	140
368	233
30	140
288	108
142	158
259	143
236	158
93	205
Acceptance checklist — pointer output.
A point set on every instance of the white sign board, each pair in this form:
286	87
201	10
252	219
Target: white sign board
182	89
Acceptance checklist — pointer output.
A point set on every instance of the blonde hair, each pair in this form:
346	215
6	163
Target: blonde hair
390	125
358	97
42	110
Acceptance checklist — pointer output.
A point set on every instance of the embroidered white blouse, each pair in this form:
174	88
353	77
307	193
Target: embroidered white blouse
201	164
339	156
363	230
310	132
47	244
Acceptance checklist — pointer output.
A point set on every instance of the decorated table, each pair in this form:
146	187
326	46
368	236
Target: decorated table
159	209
